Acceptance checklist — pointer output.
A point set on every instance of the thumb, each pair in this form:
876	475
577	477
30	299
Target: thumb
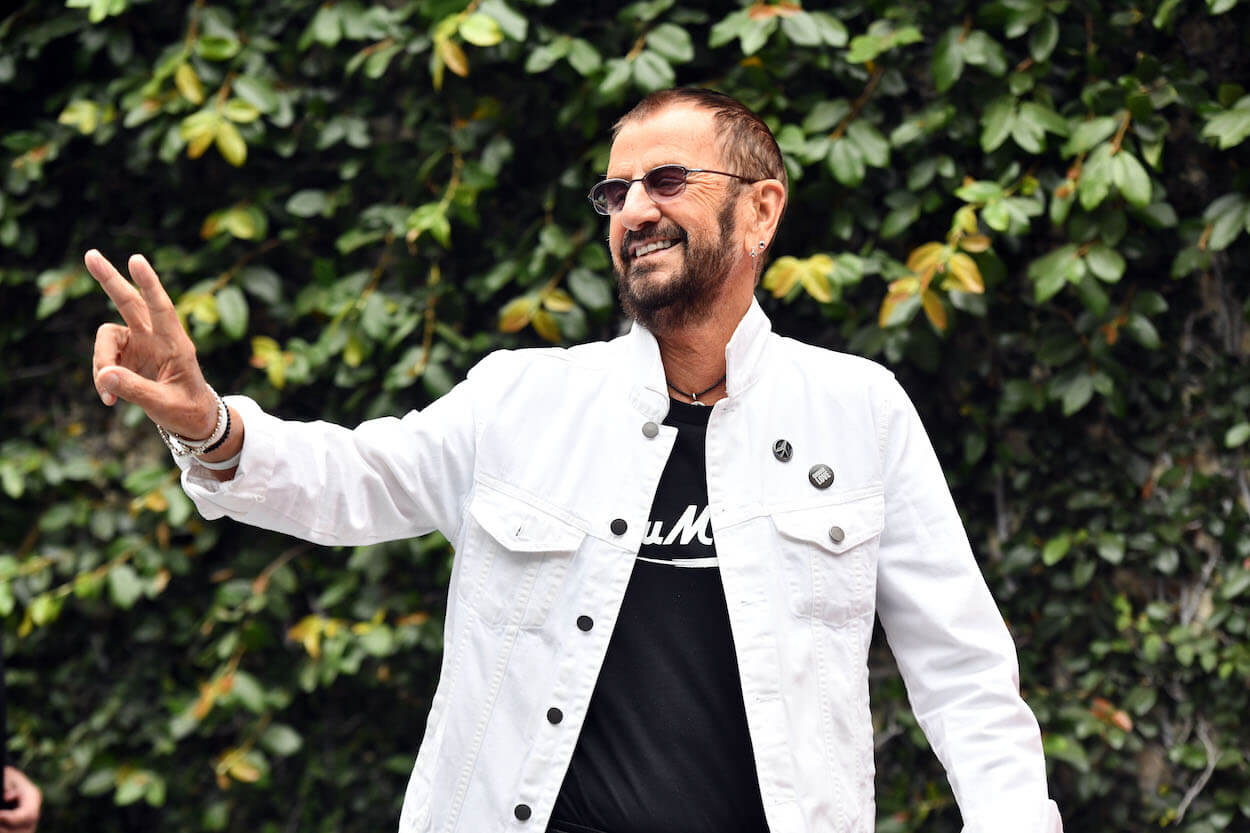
125	383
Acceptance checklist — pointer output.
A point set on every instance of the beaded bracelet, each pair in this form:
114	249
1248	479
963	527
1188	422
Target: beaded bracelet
183	447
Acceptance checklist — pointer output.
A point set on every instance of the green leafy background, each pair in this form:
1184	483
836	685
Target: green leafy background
1034	211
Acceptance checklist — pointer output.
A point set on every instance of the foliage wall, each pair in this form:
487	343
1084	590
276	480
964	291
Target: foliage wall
1034	211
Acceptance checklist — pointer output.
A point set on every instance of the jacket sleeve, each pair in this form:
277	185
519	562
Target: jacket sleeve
386	479
951	643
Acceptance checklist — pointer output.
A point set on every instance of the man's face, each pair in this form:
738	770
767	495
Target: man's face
672	258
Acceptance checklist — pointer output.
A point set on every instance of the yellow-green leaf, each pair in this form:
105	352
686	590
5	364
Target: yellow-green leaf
480	30
966	219
231	144
925	258
188	83
557	300
453	56
517	313
934	310
974	243
782	276
546	326
965	273
816	281
82	114
240	111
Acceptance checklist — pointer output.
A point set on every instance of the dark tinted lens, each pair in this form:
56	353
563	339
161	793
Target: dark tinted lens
666	181
610	194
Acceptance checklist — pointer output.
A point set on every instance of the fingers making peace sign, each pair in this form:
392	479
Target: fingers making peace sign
151	360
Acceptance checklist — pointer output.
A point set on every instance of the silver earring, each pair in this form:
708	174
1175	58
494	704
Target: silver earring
762	244
753	254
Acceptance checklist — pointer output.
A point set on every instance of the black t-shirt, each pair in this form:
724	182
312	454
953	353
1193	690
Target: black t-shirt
665	745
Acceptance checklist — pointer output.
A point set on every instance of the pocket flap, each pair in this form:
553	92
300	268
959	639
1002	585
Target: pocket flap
520	526
836	527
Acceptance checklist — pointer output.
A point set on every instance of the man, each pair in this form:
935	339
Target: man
662	599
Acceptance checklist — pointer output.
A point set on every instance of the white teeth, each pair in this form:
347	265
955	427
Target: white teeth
654	247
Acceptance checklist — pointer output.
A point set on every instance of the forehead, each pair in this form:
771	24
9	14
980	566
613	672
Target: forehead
679	133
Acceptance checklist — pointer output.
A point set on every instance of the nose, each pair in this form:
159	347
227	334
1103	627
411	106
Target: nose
639	209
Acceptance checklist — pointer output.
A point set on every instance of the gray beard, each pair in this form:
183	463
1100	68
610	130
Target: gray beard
689	295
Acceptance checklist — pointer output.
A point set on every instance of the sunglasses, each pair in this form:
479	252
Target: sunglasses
662	184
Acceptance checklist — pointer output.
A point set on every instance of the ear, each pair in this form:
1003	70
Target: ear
768	205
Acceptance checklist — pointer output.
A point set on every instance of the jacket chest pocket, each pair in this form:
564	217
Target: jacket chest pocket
515	556
829	556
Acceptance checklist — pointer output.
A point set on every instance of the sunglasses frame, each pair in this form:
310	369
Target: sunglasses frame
629	183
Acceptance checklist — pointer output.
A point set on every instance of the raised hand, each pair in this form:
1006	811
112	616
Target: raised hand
151	360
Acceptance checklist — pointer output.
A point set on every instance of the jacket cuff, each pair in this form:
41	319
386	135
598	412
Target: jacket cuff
236	497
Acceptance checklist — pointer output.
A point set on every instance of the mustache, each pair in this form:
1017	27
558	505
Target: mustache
631	237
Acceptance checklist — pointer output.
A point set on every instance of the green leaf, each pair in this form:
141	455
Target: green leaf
431	217
232	310
281	740
545	57
1096	178
1051	272
1237	435
1086	134
1111	547
1229	128
590	290
125	588
99	782
728	28
1143	331
256	91
832	31
980	191
131	788
510	22
824	115
1131	179
217	48
1043	38
247	689
652	72
1063	748
1056	548
617	76
948	59
480	29
1077	393
982	50
1227	216
872	146
583	57
846	162
1105	262
996	122
672	42
755	33
308	203
802	29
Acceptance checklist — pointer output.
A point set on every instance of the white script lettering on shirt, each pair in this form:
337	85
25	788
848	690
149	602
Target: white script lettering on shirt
692	522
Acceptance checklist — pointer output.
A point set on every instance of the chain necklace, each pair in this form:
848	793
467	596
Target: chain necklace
694	397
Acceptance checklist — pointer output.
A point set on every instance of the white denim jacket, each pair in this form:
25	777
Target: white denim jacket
538	470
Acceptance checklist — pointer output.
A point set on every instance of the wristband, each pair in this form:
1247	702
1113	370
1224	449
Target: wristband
183	447
221	465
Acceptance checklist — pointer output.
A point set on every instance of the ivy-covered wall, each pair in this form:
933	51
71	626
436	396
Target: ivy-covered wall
1035	212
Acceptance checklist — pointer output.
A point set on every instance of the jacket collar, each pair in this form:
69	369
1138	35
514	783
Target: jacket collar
744	356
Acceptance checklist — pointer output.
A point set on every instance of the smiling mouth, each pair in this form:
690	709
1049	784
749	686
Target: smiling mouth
652	247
